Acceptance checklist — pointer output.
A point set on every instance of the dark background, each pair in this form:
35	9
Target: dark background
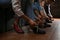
55	9
8	14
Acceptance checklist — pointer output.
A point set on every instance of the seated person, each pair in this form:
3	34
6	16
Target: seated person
40	6
37	10
30	13
19	14
30	19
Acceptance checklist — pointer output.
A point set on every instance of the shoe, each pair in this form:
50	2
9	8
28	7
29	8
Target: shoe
38	31
47	25
40	26
17	29
48	21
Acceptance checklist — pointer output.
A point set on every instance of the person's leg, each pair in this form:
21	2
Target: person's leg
17	28
35	29
39	19
46	23
21	23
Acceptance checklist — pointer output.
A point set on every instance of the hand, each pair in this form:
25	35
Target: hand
39	16
43	18
47	17
32	23
38	20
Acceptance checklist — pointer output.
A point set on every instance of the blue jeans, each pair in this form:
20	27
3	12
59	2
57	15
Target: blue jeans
30	14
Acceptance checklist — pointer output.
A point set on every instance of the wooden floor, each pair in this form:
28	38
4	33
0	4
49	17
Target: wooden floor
52	33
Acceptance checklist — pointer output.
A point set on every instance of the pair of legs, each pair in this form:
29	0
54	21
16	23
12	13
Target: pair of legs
19	30
32	16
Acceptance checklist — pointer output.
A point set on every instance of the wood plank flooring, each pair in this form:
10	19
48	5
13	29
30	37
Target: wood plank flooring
52	33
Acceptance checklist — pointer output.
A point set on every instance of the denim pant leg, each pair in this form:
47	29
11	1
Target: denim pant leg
30	13
21	21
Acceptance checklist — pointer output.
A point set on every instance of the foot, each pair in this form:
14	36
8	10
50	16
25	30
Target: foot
47	25
18	29
38	31
52	19
49	21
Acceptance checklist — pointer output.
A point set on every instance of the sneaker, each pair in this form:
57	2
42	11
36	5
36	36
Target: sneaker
38	31
25	29
47	25
18	29
49	21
